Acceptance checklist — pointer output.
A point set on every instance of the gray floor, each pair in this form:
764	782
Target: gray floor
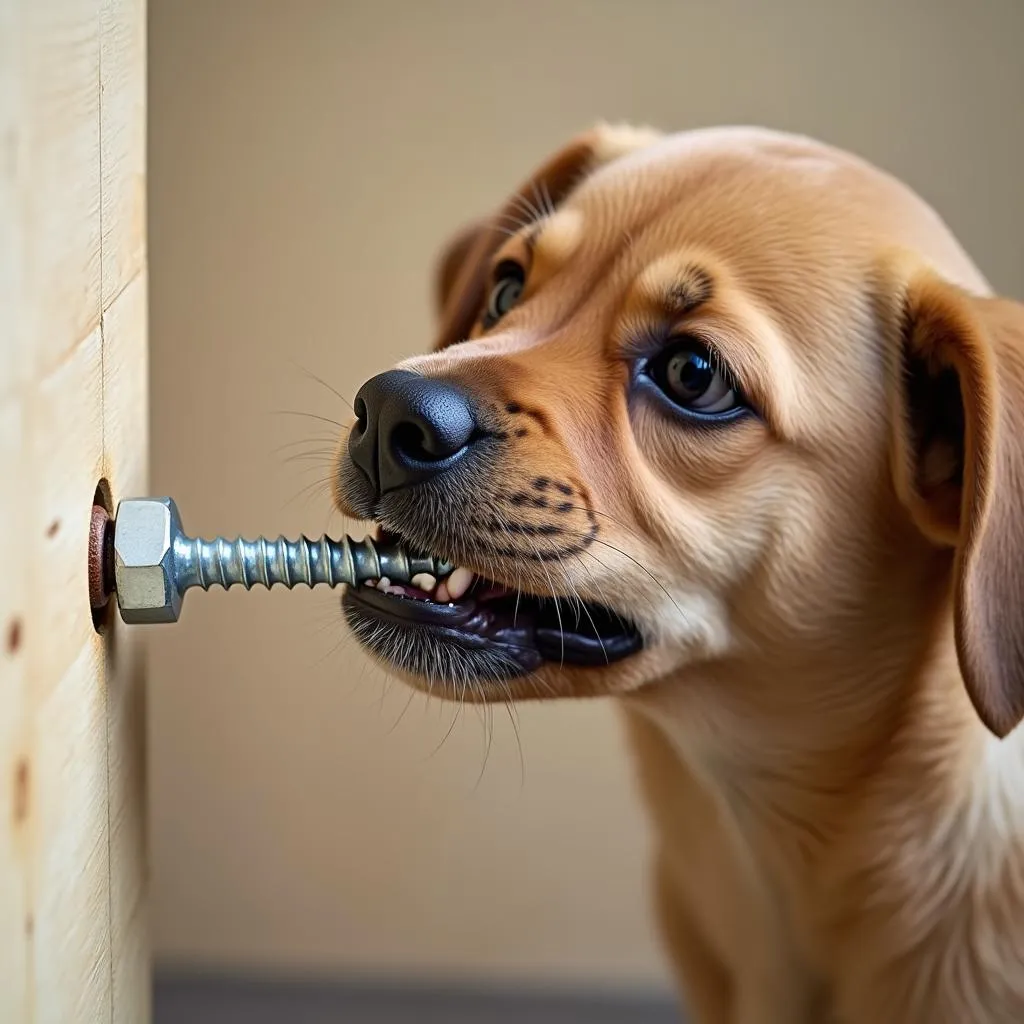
184	999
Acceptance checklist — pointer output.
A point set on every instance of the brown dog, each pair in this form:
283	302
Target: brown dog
743	404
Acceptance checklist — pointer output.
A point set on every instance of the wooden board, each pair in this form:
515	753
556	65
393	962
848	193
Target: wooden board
73	411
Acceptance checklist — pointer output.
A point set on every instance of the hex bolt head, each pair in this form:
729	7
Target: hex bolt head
144	533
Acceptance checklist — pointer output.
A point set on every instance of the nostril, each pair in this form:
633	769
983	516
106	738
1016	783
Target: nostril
410	440
361	414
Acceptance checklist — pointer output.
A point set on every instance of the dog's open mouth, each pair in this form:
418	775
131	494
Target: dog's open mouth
467	623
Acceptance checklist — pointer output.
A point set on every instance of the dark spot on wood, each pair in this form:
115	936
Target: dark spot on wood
541	483
21	795
512	408
14	636
565	489
53	529
522	432
30	926
565	506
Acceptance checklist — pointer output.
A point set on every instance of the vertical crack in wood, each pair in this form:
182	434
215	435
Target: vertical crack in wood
107	667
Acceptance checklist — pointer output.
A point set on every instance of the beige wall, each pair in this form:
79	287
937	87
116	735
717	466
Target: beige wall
307	159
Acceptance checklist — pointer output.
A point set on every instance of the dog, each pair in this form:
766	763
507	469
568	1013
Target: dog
727	427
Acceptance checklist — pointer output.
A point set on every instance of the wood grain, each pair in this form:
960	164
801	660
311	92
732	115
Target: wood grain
73	410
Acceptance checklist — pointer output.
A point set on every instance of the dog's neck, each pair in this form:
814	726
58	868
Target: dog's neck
810	748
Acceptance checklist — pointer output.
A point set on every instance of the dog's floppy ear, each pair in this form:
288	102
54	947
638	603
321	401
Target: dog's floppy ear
959	465
463	265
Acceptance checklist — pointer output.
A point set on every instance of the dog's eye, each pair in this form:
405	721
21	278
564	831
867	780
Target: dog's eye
509	280
693	378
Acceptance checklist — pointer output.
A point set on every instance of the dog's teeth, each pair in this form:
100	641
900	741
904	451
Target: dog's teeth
400	591
441	595
424	581
383	583
459	582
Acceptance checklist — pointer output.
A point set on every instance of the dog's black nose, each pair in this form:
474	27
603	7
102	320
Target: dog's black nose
409	428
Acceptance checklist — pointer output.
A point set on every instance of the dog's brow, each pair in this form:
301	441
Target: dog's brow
692	289
554	239
665	292
675	288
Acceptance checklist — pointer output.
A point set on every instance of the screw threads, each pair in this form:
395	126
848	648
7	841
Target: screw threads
224	563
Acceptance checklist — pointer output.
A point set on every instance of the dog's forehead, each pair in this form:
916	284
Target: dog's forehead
755	205
731	172
775	207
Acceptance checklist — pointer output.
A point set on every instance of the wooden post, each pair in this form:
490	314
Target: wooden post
73	412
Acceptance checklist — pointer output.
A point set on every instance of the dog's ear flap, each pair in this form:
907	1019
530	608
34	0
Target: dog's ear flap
959	467
462	271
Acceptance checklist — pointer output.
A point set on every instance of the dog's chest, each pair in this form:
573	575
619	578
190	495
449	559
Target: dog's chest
903	910
720	883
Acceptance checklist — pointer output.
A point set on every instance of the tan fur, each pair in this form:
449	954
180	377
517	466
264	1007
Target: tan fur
832	590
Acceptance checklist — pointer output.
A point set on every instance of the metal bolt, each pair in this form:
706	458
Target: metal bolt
154	562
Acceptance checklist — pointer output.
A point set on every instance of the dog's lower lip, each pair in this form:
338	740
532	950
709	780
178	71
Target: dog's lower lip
463	625
423	613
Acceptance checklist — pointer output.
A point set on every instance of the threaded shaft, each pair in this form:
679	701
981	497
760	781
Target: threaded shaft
222	562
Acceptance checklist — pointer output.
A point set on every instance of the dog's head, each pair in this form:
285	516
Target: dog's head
699	399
